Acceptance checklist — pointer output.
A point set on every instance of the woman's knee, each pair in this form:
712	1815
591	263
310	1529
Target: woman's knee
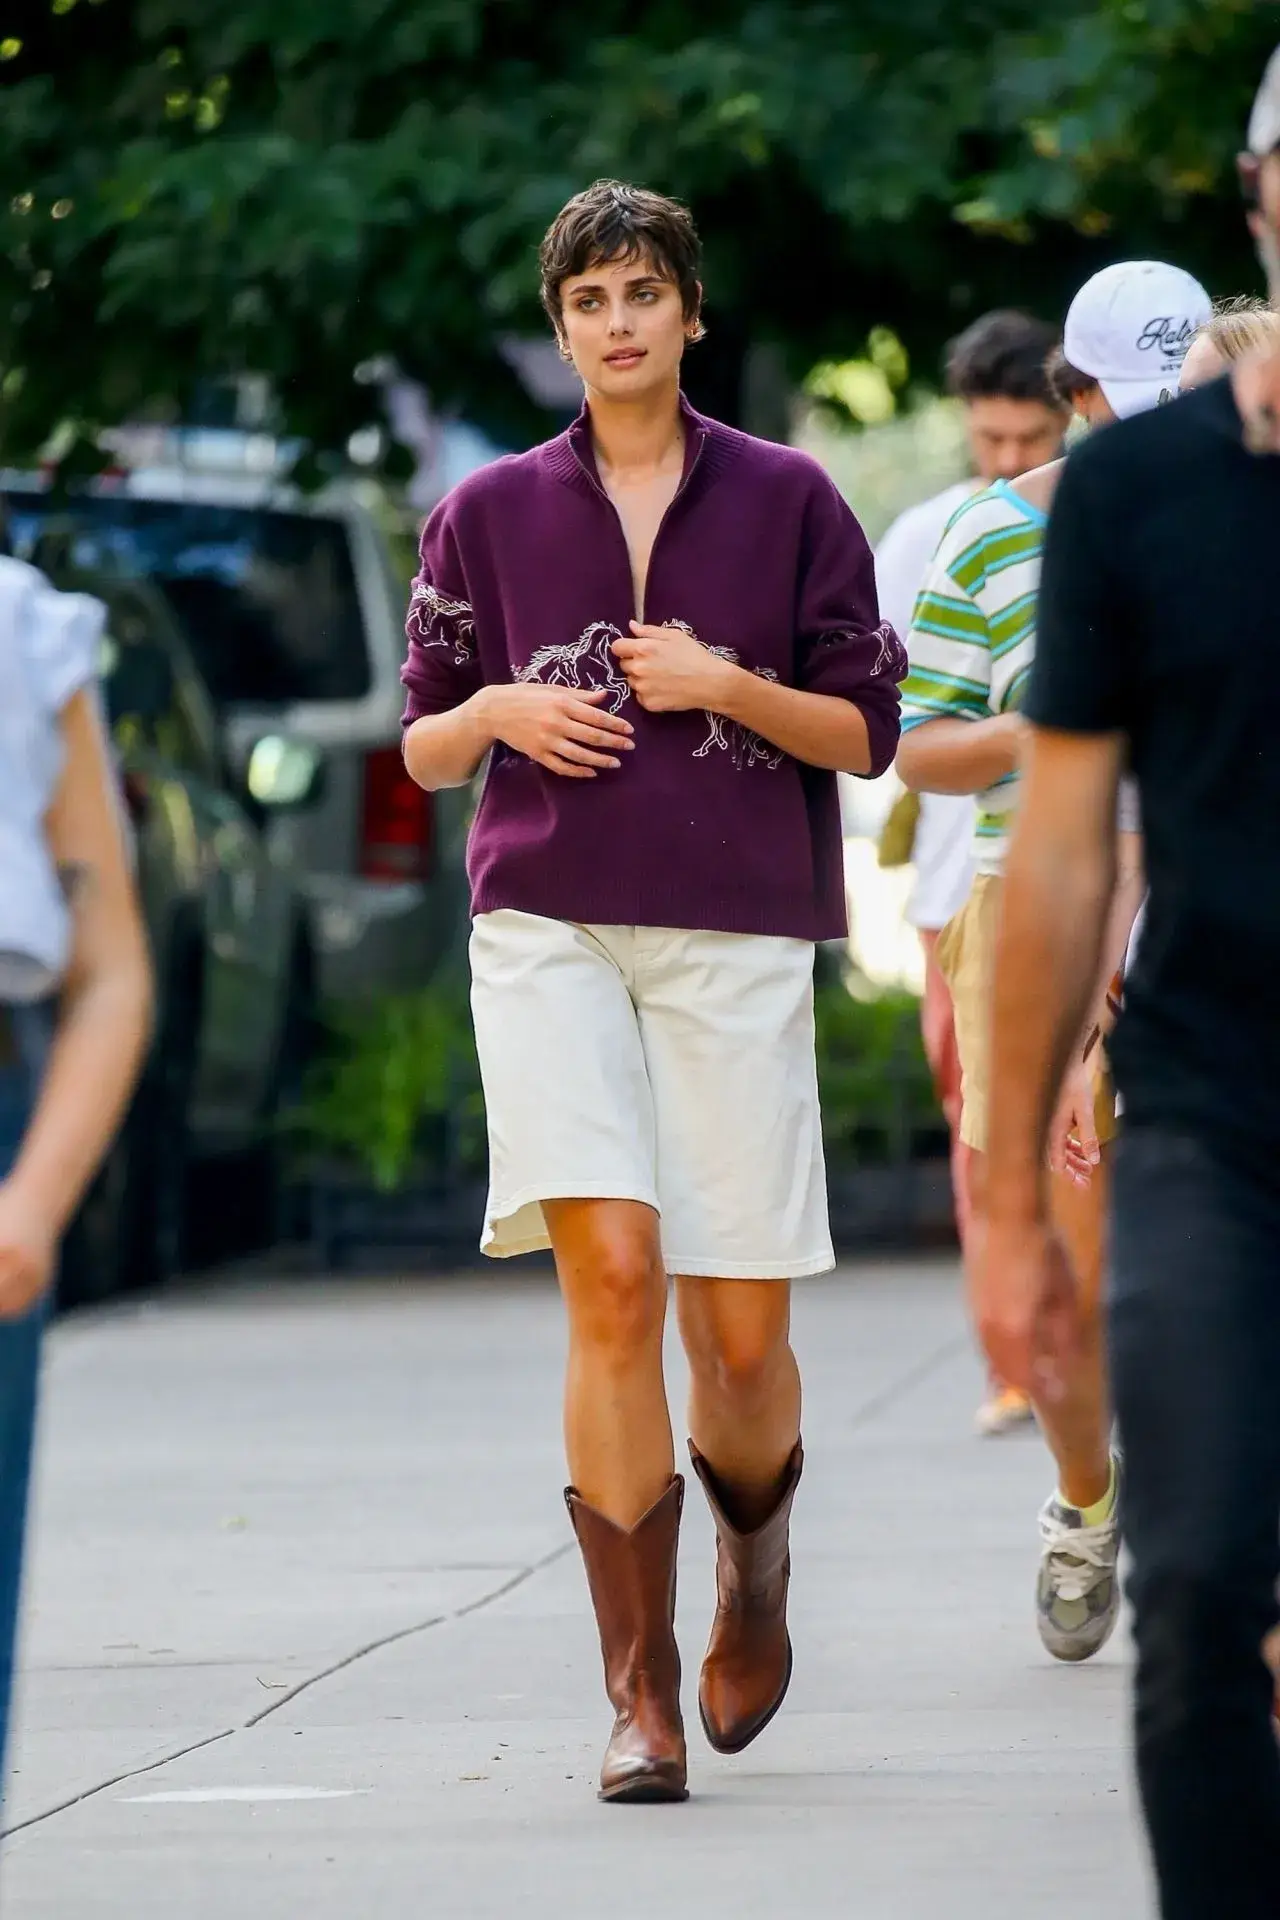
618	1304
736	1335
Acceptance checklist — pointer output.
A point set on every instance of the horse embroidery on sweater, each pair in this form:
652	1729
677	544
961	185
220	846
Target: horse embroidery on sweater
891	655
745	748
587	665
436	621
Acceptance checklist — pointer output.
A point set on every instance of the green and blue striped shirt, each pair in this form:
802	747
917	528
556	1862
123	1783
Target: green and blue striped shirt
972	635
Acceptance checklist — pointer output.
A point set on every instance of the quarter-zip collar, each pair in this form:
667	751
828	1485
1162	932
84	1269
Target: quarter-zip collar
708	448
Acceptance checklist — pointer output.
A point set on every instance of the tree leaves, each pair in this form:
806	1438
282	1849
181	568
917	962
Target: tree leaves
294	188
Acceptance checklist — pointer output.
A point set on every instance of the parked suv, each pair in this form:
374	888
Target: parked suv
294	611
229	932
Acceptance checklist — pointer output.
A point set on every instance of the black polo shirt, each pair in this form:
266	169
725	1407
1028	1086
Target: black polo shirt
1159	617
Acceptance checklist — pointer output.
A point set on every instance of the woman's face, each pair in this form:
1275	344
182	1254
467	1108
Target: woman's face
1203	362
624	327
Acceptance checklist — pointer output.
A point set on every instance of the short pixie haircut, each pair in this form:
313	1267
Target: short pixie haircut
613	221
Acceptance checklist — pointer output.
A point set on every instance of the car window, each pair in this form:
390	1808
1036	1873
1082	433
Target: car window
267	598
151	699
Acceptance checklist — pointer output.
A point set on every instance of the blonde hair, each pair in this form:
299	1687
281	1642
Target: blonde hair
1241	326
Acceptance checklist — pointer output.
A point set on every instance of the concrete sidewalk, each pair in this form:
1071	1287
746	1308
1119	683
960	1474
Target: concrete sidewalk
307	1636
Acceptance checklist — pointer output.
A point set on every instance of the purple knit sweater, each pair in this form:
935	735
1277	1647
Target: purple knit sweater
525	576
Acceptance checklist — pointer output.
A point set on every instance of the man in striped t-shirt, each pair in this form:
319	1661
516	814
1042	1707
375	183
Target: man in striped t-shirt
971	641
971	645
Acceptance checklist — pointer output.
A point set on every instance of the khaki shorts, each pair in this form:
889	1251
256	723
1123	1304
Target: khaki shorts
966	955
654	1064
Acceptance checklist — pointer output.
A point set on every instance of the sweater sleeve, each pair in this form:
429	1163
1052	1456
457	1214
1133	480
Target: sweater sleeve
843	647
442	668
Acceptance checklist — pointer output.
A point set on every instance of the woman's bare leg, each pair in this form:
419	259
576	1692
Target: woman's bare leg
744	1403
616	1423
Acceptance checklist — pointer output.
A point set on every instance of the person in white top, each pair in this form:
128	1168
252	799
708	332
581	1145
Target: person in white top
1014	422
74	992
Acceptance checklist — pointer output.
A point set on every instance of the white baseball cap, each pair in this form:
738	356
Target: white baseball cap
1263	136
1129	329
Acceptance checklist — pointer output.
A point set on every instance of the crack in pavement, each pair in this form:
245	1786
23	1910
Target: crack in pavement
313	1680
914	1376
407	1633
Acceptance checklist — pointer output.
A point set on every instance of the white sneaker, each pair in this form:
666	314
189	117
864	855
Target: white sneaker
1078	1591
1003	1411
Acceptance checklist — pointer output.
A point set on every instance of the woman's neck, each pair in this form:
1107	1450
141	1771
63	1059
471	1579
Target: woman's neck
637	438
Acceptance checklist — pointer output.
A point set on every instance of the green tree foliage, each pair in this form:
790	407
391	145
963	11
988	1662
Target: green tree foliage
294	186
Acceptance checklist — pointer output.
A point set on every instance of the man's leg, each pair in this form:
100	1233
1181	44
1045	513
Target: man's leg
938	1032
1195	1323
625	1500
1004	1408
1077	1590
1078	1427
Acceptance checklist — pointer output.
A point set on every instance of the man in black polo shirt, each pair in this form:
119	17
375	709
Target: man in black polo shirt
1159	645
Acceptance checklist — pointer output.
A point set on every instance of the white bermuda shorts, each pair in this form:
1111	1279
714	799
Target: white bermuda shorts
651	1064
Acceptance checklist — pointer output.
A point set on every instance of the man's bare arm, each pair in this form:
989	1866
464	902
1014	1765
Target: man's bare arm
1060	881
959	756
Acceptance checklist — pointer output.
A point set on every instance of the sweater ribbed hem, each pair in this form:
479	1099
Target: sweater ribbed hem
604	903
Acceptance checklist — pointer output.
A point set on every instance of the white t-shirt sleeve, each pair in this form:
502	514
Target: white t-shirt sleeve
900	566
943	856
64	633
905	551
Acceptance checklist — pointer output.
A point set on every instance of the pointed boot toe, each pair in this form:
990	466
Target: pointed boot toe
748	1663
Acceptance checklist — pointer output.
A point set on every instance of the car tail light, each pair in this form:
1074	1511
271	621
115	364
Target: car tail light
397	831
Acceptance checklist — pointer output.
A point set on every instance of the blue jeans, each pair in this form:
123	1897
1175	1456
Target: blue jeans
1195	1351
19	1359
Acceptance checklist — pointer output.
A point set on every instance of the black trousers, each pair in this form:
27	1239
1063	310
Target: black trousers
1195	1347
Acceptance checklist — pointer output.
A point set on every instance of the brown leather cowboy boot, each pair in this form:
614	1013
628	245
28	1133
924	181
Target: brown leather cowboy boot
632	1576
747	1669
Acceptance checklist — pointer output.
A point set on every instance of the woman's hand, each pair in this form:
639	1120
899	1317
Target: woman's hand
559	727
670	671
27	1253
1073	1136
